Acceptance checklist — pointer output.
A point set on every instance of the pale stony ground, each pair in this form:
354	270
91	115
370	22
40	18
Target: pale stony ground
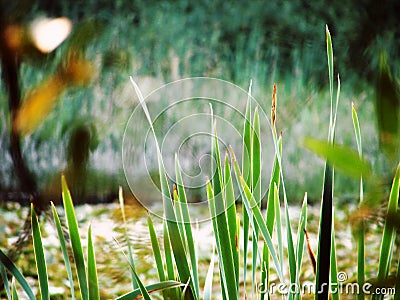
113	267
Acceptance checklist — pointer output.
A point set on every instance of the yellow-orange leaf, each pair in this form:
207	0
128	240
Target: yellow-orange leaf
37	105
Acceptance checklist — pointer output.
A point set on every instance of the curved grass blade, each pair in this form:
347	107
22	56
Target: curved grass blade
177	244
389	232
93	284
128	241
63	246
151	288
39	256
75	239
9	265
340	157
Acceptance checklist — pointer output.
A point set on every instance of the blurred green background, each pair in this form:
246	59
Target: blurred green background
160	41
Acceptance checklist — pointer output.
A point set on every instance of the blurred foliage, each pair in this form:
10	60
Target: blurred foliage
268	41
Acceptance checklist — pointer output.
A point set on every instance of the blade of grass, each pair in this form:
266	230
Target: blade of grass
9	265
211	204
209	278
39	256
255	187
63	246
342	158
361	226
187	225
14	290
300	241
231	215
389	233
335	295
156	249
5	280
173	228
75	239
151	288
246	169
253	209
221	233
128	241
277	206
93	284
174	293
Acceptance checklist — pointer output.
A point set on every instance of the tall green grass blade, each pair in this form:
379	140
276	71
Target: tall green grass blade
300	241
187	226
221	231
324	237
329	52
389	232
151	288
93	284
211	204
342	158
156	249
246	169
177	244
255	187
253	209
9	265
14	290
360	234
209	279
325	224
335	295
39	256
64	251
5	281
231	215
75	239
